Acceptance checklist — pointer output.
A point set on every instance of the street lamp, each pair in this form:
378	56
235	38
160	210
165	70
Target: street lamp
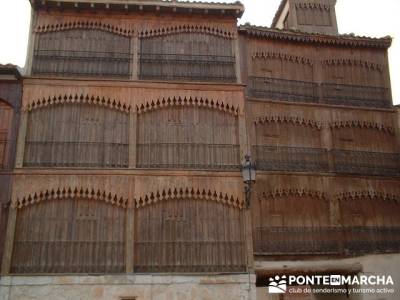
249	178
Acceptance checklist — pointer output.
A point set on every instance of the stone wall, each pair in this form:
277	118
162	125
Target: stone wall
129	287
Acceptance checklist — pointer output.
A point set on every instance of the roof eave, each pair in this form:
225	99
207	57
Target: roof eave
131	6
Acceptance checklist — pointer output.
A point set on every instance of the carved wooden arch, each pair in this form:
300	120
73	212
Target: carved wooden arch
278	193
353	62
81	99
189	193
168	30
361	124
69	193
356	195
179	101
298	121
84	25
283	56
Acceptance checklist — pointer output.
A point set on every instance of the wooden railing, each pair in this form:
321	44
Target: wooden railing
291	158
325	240
354	95
83	63
187	67
300	159
76	154
190	256
328	93
282	89
188	156
40	257
366	163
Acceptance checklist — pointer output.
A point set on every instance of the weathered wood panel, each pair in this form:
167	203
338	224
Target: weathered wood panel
188	137
85	52
188	56
6	121
189	235
289	146
77	135
70	235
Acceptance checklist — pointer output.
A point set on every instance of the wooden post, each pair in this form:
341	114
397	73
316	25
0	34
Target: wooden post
248	231
243	141
238	60
19	160
135	57
327	141
9	243
130	238
132	138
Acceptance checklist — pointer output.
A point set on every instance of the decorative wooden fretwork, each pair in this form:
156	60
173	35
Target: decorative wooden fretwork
362	124
188	101
69	235
70	193
188	137
84	24
82	52
189	235
77	135
83	99
189	193
190	56
187	28
295	120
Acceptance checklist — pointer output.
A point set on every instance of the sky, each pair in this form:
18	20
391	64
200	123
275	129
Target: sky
374	18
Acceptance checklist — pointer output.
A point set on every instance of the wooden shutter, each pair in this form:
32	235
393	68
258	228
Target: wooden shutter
77	135
188	137
69	236
82	52
6	116
188	56
189	235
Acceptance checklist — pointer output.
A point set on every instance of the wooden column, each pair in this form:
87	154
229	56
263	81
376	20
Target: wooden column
132	138
9	243
129	237
326	139
243	140
135	57
19	160
238	60
248	231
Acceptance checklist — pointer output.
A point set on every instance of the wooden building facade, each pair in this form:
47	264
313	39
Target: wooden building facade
135	120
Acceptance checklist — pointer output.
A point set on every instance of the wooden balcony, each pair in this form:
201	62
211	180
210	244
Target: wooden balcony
325	240
297	159
76	154
353	95
81	63
282	89
187	67
188	156
328	93
366	163
300	159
